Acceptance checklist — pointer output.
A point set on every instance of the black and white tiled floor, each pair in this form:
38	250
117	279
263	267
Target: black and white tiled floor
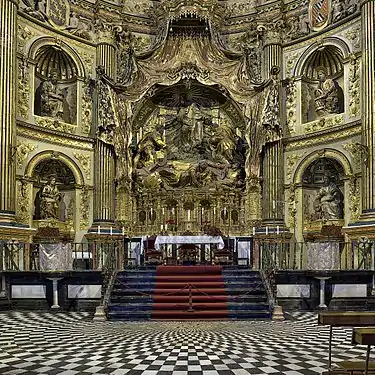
69	344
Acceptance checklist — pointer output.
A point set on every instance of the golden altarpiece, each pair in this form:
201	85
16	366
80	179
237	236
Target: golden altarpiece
137	119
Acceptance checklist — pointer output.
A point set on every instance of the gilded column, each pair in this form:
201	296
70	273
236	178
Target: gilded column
272	206
368	108
8	85
104	174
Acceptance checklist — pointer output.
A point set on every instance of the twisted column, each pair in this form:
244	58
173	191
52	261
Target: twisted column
8	85
368	108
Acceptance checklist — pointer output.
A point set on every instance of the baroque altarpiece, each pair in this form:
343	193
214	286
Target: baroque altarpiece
139	118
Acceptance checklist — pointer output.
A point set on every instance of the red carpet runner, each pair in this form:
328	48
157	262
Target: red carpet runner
189	292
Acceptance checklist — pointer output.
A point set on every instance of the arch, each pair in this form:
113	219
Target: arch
50	154
50	41
326	42
144	106
326	153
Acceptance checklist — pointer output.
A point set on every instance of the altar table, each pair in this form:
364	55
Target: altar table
180	240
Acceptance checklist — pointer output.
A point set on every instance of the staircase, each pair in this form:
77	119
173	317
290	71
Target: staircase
188	293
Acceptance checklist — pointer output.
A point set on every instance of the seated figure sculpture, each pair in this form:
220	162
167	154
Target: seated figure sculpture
327	95
50	198
51	98
328	204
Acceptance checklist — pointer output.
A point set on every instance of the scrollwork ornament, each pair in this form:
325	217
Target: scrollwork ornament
84	160
291	162
85	208
324	123
24	34
55	124
291	103
292	206
290	63
355	150
23	89
86	120
23	150
354	87
23	209
354	35
354	199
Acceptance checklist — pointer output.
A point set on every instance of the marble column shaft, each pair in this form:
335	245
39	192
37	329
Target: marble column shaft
8	86
104	196
368	106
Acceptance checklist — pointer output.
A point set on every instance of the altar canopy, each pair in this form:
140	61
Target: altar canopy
164	240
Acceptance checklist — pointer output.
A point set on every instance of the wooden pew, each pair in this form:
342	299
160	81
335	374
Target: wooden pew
365	336
344	319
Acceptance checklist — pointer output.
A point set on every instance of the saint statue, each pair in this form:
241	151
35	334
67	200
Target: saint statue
50	199
51	98
328	204
327	95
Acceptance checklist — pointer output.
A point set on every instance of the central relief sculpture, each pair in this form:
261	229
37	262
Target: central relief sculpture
188	147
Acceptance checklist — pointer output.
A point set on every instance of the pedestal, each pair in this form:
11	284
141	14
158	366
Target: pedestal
55	280
322	292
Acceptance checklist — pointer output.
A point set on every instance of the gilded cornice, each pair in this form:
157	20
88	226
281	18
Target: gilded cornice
328	31
52	136
325	136
43	26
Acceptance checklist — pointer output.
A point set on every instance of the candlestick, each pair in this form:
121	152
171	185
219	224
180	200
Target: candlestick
266	230
294	205
277	230
274	205
253	231
110	231
188	215
123	231
98	229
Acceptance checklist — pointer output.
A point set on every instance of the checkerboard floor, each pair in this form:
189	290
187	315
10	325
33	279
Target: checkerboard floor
71	343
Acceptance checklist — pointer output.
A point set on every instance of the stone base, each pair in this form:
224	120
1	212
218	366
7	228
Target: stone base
277	313
100	314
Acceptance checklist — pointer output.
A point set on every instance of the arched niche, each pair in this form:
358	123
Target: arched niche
322	75
64	197
68	179
56	75
323	190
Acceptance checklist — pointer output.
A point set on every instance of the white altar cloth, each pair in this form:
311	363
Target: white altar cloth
163	240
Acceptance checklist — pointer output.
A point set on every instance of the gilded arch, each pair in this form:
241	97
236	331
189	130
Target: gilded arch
326	153
46	155
47	40
330	41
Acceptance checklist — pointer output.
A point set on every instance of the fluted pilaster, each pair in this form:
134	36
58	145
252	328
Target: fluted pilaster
272	57
368	107
104	197
272	204
106	57
104	202
8	82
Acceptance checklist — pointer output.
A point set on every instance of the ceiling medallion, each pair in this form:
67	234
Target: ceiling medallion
319	14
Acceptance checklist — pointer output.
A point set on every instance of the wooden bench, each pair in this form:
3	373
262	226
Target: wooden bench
365	336
344	319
